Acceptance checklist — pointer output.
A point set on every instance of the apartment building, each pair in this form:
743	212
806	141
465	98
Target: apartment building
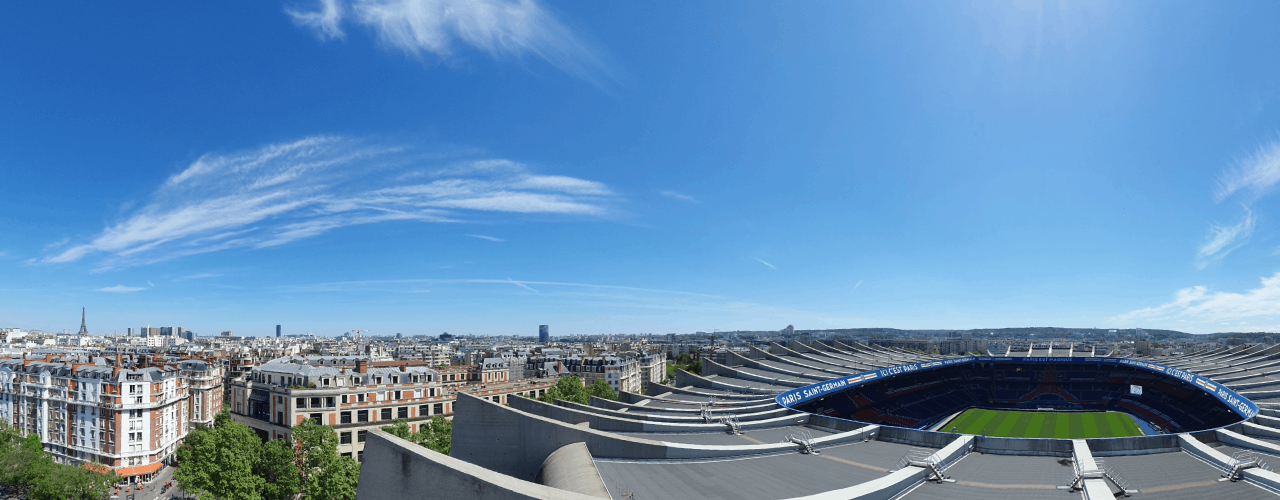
128	417
353	395
653	367
622	373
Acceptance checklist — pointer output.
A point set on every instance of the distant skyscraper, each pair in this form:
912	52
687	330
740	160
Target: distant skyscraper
277	331
83	329
544	334
130	331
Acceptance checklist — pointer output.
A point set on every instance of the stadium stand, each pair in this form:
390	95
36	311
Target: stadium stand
843	420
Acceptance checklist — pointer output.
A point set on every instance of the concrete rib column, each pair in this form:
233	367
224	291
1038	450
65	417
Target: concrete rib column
1094	489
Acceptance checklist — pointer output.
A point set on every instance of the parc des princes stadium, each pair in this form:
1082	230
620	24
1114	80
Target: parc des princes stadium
843	420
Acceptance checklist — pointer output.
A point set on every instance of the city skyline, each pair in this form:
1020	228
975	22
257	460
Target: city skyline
640	168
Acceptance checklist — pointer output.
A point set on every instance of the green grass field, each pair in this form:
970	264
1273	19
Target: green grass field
1043	424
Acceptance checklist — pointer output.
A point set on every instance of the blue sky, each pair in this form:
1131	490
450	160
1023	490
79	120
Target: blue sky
486	167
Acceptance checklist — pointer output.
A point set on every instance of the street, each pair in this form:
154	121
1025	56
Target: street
151	490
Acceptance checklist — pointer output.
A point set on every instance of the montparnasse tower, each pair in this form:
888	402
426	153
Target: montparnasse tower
83	329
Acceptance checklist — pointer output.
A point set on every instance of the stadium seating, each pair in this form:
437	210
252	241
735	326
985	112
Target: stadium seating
923	399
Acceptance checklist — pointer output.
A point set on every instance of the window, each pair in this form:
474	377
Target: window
386	414
345	417
328	402
417	393
402	412
431	392
318	418
362	416
497	399
360	398
360	435
347	454
300	403
397	395
424	410
437	409
315	402
377	380
344	438
344	399
395	379
360	456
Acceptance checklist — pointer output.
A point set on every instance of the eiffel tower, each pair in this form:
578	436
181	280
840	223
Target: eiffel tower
83	330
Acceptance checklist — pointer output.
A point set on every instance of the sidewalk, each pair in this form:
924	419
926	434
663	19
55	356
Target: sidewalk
151	490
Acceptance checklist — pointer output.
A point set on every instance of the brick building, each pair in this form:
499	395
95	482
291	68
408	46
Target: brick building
129	417
354	396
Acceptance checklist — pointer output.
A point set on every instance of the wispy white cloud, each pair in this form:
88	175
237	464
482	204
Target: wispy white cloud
766	263
1257	173
486	238
198	276
150	284
436	28
1223	239
679	196
521	285
286	192
1197	303
589	285
855	286
120	289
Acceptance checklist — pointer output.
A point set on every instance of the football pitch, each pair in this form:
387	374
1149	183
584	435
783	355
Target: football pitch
1043	424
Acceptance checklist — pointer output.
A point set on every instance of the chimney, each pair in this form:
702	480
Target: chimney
362	366
48	358
119	360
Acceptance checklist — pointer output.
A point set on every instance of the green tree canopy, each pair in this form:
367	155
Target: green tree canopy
278	466
218	463
325	475
26	467
601	390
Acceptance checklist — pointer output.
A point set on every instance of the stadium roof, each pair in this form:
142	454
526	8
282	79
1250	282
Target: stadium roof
723	434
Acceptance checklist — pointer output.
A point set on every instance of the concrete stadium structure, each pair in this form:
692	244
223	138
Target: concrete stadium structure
738	431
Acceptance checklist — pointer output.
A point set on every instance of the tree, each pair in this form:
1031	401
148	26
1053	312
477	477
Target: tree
325	475
601	390
278	466
567	388
65	481
400	429
435	435
218	463
439	435
26	467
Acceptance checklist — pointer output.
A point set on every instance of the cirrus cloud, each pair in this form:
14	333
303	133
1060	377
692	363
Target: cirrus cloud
436	29
121	289
1198	303
286	192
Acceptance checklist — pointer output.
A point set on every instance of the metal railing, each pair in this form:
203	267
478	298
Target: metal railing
1100	470
734	427
1240	461
925	458
805	440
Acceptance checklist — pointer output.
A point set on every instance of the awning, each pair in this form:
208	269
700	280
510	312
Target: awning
139	470
99	468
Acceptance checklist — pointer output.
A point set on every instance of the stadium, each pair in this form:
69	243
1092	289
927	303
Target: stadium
843	420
